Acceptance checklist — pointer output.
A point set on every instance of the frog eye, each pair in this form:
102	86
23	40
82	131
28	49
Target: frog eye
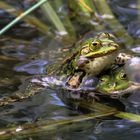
123	76
95	44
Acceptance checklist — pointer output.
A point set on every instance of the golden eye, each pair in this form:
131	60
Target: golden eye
95	45
123	76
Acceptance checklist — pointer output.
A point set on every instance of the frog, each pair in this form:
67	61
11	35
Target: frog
88	59
116	83
97	54
91	57
112	84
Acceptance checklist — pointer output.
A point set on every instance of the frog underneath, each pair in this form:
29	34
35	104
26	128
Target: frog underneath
116	83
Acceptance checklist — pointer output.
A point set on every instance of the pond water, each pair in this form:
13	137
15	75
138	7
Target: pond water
25	52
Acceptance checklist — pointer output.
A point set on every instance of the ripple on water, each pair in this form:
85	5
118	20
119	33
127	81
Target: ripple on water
32	67
19	51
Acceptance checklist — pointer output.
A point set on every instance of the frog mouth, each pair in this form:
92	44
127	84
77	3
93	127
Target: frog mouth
82	61
85	59
118	93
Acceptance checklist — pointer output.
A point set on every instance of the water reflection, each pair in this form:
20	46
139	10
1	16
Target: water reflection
121	130
46	105
32	67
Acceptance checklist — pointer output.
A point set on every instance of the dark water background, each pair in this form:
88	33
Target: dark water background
16	65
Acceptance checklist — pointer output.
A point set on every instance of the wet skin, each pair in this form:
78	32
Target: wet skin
116	83
90	58
95	54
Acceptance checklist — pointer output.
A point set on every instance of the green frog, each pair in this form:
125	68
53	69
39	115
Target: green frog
77	73
96	54
113	84
89	58
116	83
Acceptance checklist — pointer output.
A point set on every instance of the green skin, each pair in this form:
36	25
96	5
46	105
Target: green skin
116	84
115	81
96	54
112	85
91	58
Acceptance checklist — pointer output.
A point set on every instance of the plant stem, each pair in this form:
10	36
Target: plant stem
113	23
99	107
49	12
32	20
48	126
12	23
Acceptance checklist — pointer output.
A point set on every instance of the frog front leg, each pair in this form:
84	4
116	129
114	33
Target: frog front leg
80	87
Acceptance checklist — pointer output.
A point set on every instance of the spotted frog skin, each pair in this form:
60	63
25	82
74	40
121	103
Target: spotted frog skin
96	54
90	57
122	58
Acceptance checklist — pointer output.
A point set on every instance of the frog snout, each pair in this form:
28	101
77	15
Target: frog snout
82	61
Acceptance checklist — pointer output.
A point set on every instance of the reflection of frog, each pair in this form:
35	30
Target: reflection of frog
116	83
89	58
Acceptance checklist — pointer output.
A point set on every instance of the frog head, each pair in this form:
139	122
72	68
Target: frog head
96	54
115	82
